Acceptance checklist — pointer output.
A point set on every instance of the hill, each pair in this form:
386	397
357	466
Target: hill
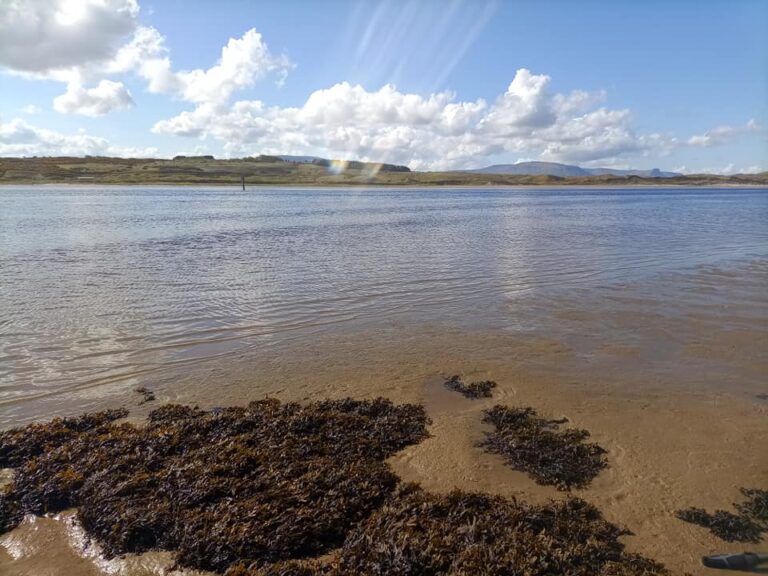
567	170
273	170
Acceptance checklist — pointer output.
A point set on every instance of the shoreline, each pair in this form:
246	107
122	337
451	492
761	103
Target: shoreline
272	171
666	371
395	186
668	447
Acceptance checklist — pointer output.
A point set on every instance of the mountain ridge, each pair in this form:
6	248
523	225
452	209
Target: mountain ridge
566	170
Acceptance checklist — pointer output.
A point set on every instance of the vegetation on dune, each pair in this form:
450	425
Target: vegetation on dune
272	170
537	446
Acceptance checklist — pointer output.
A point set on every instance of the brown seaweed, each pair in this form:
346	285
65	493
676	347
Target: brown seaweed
10	514
146	394
472	390
755	507
21	444
277	489
269	482
537	446
417	533
746	526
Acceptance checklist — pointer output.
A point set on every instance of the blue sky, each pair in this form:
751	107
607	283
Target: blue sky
432	84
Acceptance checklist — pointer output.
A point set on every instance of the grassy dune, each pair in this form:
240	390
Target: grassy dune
267	170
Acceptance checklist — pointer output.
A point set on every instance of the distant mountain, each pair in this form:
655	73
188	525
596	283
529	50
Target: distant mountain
566	170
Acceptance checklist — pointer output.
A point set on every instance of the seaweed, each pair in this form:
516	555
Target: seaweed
265	483
21	444
275	489
473	390
10	514
461	533
725	525
146	393
746	526
755	507
537	446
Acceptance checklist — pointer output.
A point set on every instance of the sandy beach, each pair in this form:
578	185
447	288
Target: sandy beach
383	288
676	433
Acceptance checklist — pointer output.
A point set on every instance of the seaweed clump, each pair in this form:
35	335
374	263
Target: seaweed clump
472	390
537	446
266	483
460	533
746	526
146	394
19	445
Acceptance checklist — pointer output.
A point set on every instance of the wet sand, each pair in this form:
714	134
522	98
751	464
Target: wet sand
666	376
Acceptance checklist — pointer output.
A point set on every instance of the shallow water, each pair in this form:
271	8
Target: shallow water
106	287
640	315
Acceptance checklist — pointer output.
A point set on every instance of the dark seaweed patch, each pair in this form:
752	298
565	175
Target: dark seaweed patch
10	515
458	534
270	482
21	444
725	525
472	390
537	446
755	506
146	394
746	526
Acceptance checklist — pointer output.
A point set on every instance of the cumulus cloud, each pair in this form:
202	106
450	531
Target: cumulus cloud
83	42
91	45
38	37
19	138
425	132
102	99
723	135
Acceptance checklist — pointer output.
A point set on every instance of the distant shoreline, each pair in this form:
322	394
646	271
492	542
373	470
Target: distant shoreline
273	172
377	185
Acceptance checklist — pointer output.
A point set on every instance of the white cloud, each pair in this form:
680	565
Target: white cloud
243	61
425	132
91	45
723	134
730	168
19	138
82	42
38	37
524	106
31	109
102	99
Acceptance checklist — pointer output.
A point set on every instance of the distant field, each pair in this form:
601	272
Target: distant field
268	170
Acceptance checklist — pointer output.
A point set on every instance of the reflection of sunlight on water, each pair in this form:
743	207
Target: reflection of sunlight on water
158	280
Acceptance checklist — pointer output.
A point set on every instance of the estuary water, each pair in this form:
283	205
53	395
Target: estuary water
109	287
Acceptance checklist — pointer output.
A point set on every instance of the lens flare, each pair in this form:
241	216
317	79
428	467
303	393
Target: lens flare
337	166
371	170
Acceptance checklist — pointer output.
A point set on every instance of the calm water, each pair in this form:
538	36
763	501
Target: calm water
99	285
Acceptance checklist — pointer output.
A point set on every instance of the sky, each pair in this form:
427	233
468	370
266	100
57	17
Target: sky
433	84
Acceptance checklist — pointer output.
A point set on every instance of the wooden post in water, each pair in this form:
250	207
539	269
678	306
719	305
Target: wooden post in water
243	177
